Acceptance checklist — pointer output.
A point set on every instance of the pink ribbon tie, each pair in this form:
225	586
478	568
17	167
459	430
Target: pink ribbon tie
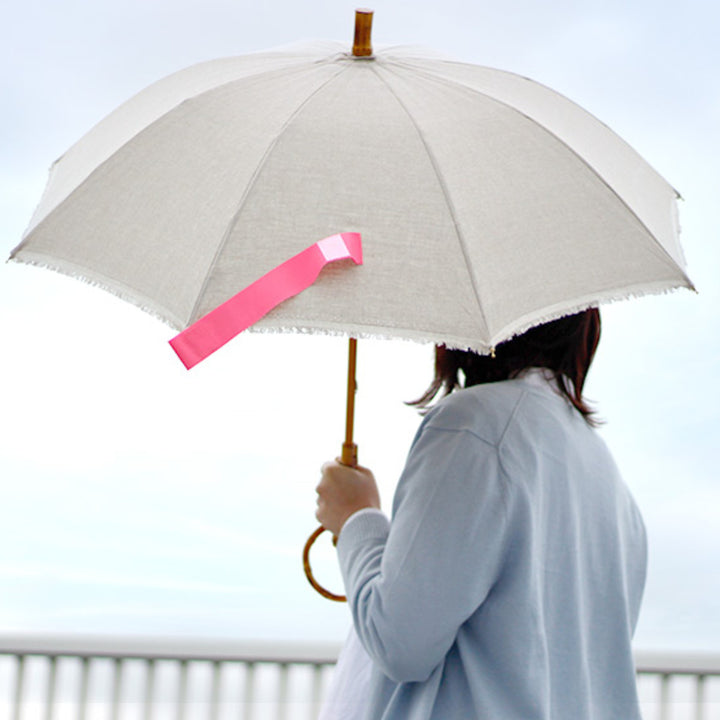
222	324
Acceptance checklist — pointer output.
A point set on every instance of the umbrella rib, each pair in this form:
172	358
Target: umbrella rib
143	127
661	251
251	183
446	194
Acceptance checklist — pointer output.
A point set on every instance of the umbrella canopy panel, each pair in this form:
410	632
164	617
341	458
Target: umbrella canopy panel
487	203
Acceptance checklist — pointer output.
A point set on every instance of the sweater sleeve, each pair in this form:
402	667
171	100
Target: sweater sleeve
411	584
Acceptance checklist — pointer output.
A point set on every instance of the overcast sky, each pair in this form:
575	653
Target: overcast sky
140	498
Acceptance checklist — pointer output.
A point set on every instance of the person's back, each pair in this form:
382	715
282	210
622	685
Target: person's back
579	564
508	585
532	616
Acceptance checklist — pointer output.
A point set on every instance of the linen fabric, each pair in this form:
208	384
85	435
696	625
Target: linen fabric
508	585
505	202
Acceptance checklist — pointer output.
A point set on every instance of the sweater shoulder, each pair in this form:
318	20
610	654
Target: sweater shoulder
485	411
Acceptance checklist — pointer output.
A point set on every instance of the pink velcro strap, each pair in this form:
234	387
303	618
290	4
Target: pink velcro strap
222	324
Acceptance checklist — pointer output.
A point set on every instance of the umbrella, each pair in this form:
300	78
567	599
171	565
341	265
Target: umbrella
487	203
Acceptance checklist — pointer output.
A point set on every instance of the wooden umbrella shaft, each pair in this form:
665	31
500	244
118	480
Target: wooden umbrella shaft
362	47
349	448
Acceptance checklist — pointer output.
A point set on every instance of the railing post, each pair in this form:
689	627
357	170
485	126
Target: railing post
700	697
19	682
249	704
50	689
149	689
84	685
215	691
116	693
316	697
664	696
282	700
182	690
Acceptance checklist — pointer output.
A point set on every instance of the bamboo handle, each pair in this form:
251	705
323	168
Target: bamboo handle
308	570
349	456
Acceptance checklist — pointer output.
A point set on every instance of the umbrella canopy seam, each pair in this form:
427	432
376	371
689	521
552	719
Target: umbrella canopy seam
655	244
248	188
448	81
446	195
298	66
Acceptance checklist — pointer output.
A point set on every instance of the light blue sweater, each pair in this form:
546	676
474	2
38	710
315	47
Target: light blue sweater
509	583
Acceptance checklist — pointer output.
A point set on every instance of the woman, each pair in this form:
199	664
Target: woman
509	582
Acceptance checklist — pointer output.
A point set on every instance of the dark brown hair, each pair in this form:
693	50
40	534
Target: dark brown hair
565	346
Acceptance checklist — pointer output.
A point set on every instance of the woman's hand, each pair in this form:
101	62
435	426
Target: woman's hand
343	490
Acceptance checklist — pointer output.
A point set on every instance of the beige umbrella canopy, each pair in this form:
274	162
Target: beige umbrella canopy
499	200
487	203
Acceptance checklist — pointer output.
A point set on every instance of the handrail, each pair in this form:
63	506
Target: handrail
658	662
166	648
148	647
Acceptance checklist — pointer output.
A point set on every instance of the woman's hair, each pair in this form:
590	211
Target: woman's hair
565	346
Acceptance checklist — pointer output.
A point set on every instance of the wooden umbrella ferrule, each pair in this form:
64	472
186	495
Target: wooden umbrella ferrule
362	46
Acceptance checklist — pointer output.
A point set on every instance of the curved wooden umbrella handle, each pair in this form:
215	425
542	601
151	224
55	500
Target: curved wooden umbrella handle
348	457
308	570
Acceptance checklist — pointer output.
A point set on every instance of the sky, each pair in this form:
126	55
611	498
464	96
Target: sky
138	498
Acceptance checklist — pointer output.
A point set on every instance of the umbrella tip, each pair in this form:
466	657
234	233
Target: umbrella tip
362	46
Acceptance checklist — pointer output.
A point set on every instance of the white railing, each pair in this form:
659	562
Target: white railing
114	678
679	686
